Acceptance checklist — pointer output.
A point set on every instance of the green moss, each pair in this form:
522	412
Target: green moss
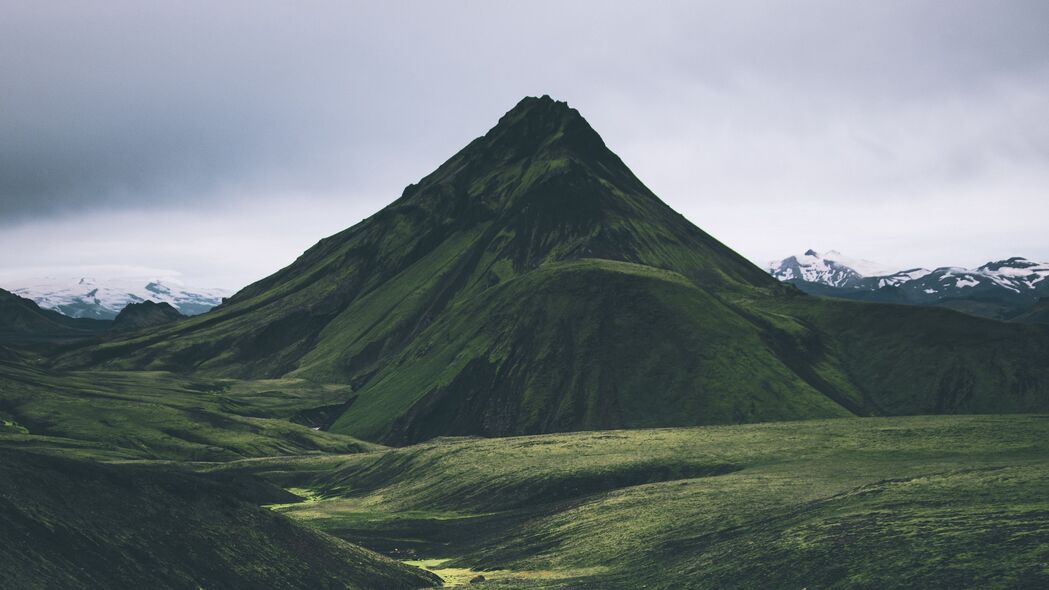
80	524
932	502
161	416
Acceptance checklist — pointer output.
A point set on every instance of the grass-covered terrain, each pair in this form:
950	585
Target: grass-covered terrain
94	493
155	415
75	524
1037	314
929	502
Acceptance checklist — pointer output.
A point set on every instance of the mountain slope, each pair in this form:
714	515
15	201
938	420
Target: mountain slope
914	360
530	284
1036	314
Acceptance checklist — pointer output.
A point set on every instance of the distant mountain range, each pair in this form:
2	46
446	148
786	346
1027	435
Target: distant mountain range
23	322
1003	289
102	298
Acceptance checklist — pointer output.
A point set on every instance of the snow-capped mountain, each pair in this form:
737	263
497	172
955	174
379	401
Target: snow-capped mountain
831	268
897	278
997	289
98	298
1012	278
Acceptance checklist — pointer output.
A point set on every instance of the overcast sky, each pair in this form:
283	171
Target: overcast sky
220	139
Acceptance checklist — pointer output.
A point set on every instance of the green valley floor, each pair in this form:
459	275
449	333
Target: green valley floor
93	465
918	502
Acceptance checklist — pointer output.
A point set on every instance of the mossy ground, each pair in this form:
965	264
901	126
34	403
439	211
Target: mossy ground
924	501
79	524
933	502
157	415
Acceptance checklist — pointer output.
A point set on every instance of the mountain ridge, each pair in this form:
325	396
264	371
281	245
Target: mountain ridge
102	297
147	314
1002	289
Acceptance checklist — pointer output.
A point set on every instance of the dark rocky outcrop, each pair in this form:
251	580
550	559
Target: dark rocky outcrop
146	314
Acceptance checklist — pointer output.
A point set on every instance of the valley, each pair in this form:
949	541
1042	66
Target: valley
930	501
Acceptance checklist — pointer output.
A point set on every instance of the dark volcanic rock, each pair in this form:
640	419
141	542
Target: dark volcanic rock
145	315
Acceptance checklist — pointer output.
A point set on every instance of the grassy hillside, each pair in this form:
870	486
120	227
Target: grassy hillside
1036	314
117	415
930	502
910	360
585	344
77	524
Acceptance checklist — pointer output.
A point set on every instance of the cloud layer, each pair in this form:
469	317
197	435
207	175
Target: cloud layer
909	132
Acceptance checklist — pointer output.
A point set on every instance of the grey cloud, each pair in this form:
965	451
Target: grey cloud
106	106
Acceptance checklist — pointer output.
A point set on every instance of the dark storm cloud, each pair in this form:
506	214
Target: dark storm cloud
116	105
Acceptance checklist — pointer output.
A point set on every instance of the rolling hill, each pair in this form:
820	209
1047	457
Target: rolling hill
147	314
533	284
68	523
1037	314
941	502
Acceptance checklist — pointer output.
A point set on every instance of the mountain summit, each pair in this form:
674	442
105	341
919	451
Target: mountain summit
831	268
532	283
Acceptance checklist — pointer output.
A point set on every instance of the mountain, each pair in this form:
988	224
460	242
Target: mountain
145	315
999	290
533	284
103	298
22	321
831	268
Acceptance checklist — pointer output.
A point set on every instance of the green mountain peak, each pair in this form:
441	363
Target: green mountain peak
532	283
537	123
538	140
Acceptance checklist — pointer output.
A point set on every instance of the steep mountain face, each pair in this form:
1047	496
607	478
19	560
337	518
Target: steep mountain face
22	321
147	314
999	290
102	298
533	284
